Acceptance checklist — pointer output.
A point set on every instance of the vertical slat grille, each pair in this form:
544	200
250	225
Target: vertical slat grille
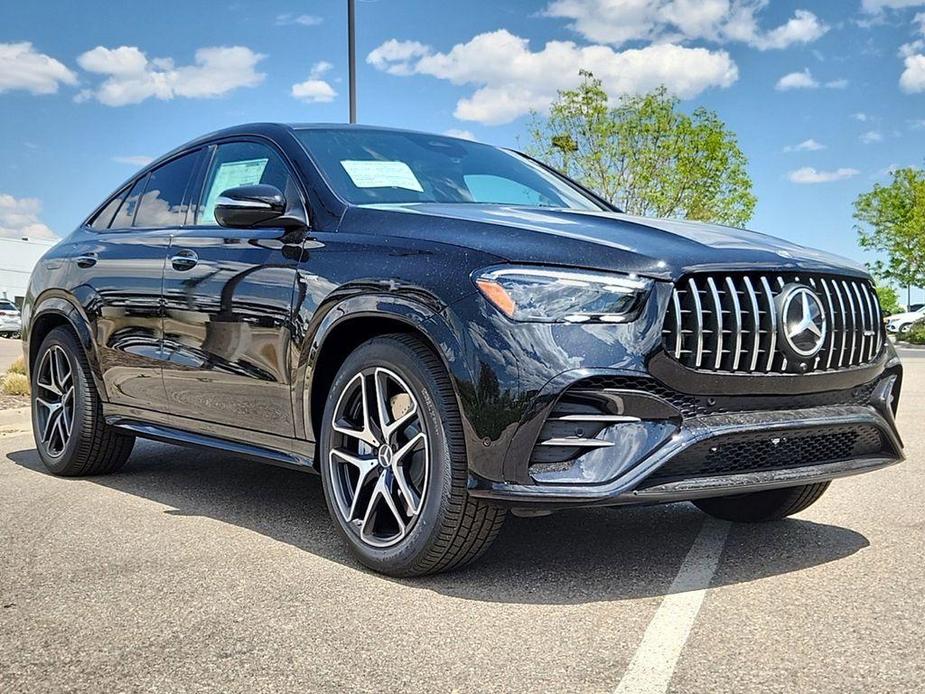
729	322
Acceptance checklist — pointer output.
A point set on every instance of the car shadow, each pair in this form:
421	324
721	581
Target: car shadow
571	557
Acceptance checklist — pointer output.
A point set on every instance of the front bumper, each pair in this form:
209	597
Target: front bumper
652	444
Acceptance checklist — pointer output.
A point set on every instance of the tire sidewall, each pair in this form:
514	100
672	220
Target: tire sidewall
64	339
393	355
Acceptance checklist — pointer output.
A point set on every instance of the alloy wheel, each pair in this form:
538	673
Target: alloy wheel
380	457
54	398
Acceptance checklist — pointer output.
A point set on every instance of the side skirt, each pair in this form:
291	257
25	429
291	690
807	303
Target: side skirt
266	448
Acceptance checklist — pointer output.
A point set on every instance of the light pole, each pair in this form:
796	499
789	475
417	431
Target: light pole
352	57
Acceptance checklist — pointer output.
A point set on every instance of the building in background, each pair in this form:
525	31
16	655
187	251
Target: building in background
17	258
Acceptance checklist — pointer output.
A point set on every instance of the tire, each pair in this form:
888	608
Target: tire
432	524
86	446
759	507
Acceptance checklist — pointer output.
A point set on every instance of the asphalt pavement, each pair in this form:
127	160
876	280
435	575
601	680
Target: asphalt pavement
192	571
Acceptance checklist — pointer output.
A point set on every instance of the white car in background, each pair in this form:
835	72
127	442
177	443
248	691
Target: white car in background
899	323
10	319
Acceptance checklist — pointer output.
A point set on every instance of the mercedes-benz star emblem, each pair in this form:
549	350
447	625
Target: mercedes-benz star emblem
801	322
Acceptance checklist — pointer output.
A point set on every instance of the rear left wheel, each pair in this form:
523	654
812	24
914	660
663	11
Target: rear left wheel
71	435
394	466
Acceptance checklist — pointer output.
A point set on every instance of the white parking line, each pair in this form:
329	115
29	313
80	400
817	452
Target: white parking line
651	668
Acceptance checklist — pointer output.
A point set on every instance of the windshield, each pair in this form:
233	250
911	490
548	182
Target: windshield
367	167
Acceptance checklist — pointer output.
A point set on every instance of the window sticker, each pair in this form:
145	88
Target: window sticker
373	173
231	175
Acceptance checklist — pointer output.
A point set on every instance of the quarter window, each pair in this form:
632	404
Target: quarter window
242	164
126	213
162	204
102	220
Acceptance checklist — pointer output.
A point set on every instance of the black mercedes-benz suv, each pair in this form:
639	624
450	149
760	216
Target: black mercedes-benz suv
447	331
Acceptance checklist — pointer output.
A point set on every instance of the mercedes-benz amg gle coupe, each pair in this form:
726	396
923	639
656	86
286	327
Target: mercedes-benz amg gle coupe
448	331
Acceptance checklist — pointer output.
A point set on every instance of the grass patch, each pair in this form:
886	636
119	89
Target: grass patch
14	384
18	367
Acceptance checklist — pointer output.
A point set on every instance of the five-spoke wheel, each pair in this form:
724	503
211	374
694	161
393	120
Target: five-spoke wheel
379	459
71	434
55	401
393	462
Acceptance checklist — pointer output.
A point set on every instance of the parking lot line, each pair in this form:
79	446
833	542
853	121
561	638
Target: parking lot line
654	662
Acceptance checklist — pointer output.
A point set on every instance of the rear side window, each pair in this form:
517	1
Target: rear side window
102	220
126	213
163	202
241	164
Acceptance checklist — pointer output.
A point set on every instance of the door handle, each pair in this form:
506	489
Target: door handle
87	259
184	260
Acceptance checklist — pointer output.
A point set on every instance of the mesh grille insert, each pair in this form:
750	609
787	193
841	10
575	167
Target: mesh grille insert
737	454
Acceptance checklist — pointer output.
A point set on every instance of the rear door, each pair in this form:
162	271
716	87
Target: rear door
117	276
228	304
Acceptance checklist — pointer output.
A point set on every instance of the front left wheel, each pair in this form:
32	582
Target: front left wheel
393	462
70	432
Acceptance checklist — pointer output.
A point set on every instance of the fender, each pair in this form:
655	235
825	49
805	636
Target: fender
410	310
59	303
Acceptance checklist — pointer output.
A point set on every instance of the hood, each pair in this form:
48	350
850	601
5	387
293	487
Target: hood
660	248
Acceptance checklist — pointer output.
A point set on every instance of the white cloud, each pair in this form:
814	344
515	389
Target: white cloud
876	6
837	84
619	21
395	57
810	175
797	80
20	217
315	90
131	77
912	80
871	136
512	80
21	67
862	117
305	20
463	134
803	27
809	145
134	160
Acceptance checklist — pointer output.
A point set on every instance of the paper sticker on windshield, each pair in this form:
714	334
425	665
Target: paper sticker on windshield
374	173
231	175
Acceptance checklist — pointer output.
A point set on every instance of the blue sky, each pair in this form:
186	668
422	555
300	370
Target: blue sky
825	96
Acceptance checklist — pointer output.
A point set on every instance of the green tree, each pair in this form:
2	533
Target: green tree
889	299
891	221
645	155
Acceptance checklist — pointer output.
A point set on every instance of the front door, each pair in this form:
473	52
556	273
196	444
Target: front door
228	297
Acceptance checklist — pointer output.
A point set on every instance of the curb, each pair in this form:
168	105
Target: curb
16	420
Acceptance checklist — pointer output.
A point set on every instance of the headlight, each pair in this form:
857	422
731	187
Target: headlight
551	295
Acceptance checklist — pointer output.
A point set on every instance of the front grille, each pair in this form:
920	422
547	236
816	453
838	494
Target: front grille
728	322
744	453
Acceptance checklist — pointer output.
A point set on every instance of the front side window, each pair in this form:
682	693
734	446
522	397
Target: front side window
242	164
368	167
162	204
126	214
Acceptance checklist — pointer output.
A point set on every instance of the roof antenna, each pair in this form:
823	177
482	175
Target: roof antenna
352	57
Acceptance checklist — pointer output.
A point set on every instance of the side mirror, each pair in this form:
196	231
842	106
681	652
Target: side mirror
249	206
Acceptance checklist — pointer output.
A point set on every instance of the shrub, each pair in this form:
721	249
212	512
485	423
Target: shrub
18	367
14	384
916	334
